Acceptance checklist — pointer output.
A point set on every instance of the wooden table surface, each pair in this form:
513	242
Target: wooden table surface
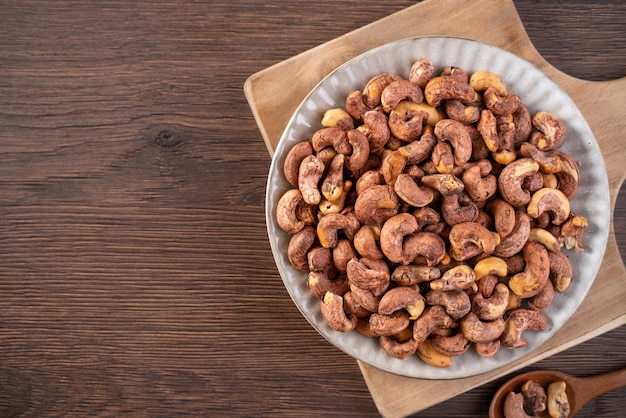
136	277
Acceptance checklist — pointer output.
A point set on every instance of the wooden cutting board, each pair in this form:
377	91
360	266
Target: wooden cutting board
274	93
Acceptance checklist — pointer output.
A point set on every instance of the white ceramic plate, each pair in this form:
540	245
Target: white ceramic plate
538	92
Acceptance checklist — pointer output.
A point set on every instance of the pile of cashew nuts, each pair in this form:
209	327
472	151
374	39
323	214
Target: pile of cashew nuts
534	399
431	213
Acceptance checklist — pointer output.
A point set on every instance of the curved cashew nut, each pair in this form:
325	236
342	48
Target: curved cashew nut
376	128
421	71
402	297
376	204
420	149
332	184
487	349
500	104
360	150
406	123
398	349
493	307
515	241
331	137
490	266
433	317
364	298
549	200
429	355
513	406
299	246
457	278
412	274
329	225
458	208
388	325
469	239
537	272
291	165
482	80
544	237
310	174
319	284
454	132
409	191
561	272
464	113
557	400
342	253
287	211
338	117
446	184
373	90
456	303
478	331
366	242
332	310
443	157
368	179
572	231
453	345
551	131
549	161
568	175
487	126
503	214
428	245
544	298
535	398
479	183
392	235
320	259
392	165
367	274
505	126
523	125
519	321
353	307
443	88
511	178
336	206
355	106
399	90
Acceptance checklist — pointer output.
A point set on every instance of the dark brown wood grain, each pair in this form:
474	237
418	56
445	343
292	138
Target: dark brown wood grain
136	277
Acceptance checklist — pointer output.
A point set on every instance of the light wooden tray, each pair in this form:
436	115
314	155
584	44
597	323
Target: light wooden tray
274	93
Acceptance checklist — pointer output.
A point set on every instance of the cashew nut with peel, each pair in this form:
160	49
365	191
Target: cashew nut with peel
376	204
398	349
568	175
388	325
479	331
399	90
402	297
299	246
513	406
454	132
294	158
490	265
549	200
332	184
331	137
514	242
286	211
453	345
469	239
456	303
375	86
432	318
412	193
376	128
561	272
487	349
459	208
367	274
503	214
482	80
537	272
421	71
558	401
426	245
457	278
392	236
511	178
366	242
319	284
406	123
517	322
431	356
332	310
500	104
409	275
329	225
309	175
443	88
494	307
551	131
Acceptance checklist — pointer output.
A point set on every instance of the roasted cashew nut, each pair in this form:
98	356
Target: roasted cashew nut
421	71
479	183
374	88
453	345
478	331
537	272
551	131
402	297
535	398
432	318
392	236
513	406
410	275
398	349
511	178
407	124
367	274
500	104
388	325
287	211
332	184
291	165
456	303
443	88
482	80
549	200
458	208
493	307
332	310
376	128
310	174
331	137
299	246
454	132
515	241
558	401
568	176
376	204
426	245
319	284
329	225
503	214
399	90
518	321
469	239
366	242
411	192
446	184
460	277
